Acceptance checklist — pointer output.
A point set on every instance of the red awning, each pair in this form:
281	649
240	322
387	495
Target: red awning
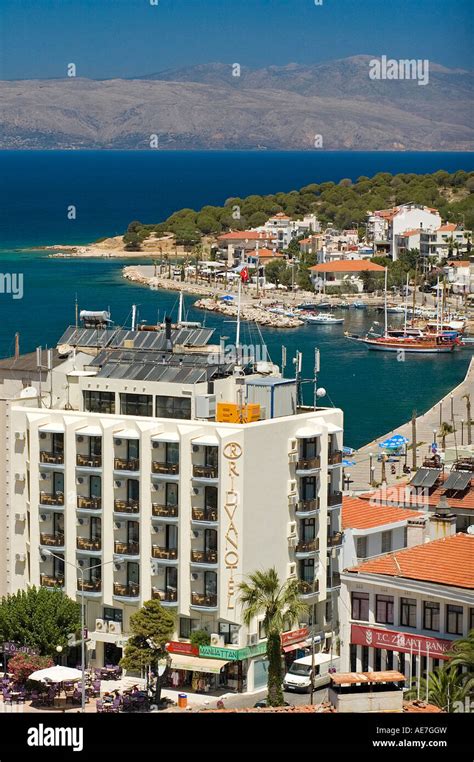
294	647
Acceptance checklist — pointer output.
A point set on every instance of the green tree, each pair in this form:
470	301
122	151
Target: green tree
39	618
200	638
281	607
151	628
444	687
277	271
444	430
462	652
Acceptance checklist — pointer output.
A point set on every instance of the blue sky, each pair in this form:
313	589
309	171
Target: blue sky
125	38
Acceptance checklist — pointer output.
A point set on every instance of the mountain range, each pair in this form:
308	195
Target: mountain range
276	107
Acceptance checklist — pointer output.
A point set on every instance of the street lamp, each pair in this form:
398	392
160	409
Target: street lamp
59	650
45	552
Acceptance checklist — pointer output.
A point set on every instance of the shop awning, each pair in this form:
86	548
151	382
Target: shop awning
295	647
195	664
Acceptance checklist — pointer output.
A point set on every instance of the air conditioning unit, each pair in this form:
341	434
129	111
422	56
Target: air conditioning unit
45	477
156	445
154	567
100	625
205	405
21	557
20	516
80	438
81	562
115	628
83	521
20	476
252	639
197	490
195	448
292	499
291	571
195	533
118	483
80	480
217	640
43	517
292	457
19	435
194	577
291	529
118	442
42	435
117	567
292	542
117	525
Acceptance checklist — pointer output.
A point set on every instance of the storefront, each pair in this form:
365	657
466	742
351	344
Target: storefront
294	645
12	649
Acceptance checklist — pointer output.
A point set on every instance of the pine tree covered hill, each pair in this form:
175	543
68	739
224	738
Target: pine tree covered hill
342	205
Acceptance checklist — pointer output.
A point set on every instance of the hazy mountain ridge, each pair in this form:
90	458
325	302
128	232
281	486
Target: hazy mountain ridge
274	107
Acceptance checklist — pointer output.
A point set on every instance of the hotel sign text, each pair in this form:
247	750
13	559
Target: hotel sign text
232	452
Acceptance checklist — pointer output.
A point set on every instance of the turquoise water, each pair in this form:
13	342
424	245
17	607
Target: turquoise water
109	189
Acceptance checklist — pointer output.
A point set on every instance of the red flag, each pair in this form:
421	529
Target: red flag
244	274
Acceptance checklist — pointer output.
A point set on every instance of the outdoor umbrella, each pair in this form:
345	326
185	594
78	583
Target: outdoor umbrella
56	674
348	463
227	298
394	443
348	450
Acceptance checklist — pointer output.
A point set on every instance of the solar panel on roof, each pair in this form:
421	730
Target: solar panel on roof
425	477
458	480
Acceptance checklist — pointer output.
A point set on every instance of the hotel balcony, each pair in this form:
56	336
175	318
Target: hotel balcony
205	557
90	587
166	469
89	461
165	596
122	464
334	540
131	591
204	515
47	581
334	498
335	458
202	601
92	546
164	554
48	498
89	503
52	540
307	508
164	511
306	466
126	548
205	472
333	582
127	506
307	548
50	458
308	589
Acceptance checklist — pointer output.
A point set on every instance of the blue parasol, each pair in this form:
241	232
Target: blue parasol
227	298
348	451
394	443
348	463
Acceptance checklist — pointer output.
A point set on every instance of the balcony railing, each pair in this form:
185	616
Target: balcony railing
205	472
168	554
131	590
91	503
307	464
126	548
127	506
55	540
308	505
334	581
335	498
164	511
307	546
335	458
165	468
90	585
335	539
89	461
169	596
51	457
84	543
308	588
204	514
122	464
207	601
47	581
204	556
48	498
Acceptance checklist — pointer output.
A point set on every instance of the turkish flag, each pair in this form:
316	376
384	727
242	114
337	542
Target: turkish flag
244	274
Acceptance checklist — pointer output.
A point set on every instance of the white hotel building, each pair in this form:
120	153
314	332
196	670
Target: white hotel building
121	470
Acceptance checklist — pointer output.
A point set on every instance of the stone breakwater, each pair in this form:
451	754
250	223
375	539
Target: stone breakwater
249	312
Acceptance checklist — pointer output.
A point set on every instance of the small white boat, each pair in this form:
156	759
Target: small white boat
323	318
395	309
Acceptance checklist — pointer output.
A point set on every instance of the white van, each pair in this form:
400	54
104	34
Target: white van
298	677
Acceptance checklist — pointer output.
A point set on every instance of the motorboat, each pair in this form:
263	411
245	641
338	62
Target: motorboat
323	318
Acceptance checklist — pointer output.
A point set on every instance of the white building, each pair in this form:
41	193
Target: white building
391	223
403	610
461	276
125	471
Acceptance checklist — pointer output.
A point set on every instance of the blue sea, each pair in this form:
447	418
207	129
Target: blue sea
110	188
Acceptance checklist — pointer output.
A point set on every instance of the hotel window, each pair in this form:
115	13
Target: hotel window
307	570
261	631
172	452
384	609
136	404
95	446
133	449
431	616
171	494
386	542
309	449
99	402
187	626
408	612
133	489
230	633
212	456
57	444
362	547
360	607
113	615
308	488
308	530
454	620
95	486
173	407
210	498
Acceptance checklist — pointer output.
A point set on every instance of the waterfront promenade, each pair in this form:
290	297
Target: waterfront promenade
450	408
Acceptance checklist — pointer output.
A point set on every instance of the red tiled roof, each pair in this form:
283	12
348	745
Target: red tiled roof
347	266
449	227
280	216
449	561
403	496
323	708
359	514
459	263
267	253
414	231
241	235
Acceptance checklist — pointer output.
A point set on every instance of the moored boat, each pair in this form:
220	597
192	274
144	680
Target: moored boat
323	319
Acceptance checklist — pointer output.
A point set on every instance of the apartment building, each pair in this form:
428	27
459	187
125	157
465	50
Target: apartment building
135	476
388	224
403	610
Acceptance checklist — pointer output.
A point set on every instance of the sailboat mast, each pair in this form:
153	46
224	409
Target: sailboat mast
414	297
180	308
406	305
386	283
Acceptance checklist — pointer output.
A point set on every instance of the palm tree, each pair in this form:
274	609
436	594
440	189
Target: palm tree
444	430
282	607
444	687
462	652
